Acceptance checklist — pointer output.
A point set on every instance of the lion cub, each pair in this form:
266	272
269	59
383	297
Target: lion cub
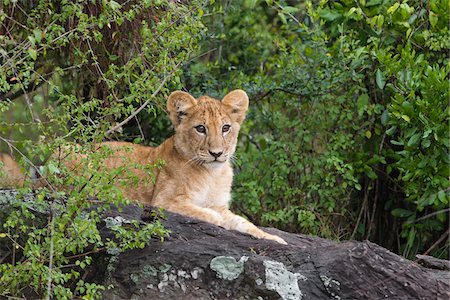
197	174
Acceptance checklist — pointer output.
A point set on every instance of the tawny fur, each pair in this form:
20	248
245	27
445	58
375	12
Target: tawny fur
10	173
196	177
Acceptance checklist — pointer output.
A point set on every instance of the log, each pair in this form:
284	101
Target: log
203	261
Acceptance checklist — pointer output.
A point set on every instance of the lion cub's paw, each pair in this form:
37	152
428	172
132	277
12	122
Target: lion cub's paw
275	238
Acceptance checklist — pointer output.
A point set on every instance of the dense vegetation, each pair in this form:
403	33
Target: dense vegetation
347	135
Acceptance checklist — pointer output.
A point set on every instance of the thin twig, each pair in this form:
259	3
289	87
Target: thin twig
100	71
140	128
363	208
428	216
27	98
437	242
50	262
86	253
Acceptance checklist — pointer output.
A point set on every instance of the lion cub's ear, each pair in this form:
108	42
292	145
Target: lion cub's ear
237	102
177	105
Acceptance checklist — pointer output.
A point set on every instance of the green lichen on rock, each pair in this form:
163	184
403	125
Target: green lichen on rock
135	278
226	267
282	281
149	271
7	197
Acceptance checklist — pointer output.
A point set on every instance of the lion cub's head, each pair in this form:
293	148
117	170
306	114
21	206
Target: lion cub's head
206	128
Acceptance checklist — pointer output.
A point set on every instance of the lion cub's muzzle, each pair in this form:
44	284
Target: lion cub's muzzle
216	155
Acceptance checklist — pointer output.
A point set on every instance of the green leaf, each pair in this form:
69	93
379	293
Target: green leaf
442	197
433	19
373	2
380	79
406	118
427	133
408	176
32	53
251	3
393	8
53	169
413	141
408	107
362	102
426	143
350	11
37	35
114	5
401	213
282	17
371	174
394	142
391	130
32	40
384	117
380	21
329	15
290	9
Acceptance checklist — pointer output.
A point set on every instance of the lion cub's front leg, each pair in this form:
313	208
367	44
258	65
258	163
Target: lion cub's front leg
220	216
184	207
235	222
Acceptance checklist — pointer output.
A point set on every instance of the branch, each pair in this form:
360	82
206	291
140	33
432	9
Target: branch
30	88
50	262
143	105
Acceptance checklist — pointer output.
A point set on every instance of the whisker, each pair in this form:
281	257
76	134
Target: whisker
233	160
200	161
191	161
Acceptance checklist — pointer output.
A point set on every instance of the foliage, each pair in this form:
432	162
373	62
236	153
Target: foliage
71	71
347	135
408	74
348	131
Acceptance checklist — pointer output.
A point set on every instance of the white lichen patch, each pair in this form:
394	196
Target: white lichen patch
259	281
226	267
332	286
282	281
115	222
196	272
167	276
176	278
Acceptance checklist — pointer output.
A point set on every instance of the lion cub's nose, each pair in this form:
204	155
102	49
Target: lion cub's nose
215	154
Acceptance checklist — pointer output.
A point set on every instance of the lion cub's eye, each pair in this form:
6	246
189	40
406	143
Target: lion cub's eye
226	128
200	129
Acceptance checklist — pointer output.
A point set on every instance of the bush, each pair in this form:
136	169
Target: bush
348	131
408	74
73	72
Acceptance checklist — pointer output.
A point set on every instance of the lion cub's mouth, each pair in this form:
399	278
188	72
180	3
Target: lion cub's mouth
216	162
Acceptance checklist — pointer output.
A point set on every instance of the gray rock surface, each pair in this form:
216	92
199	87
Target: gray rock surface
203	261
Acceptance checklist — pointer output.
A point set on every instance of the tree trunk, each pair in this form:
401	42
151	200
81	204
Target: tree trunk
203	261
